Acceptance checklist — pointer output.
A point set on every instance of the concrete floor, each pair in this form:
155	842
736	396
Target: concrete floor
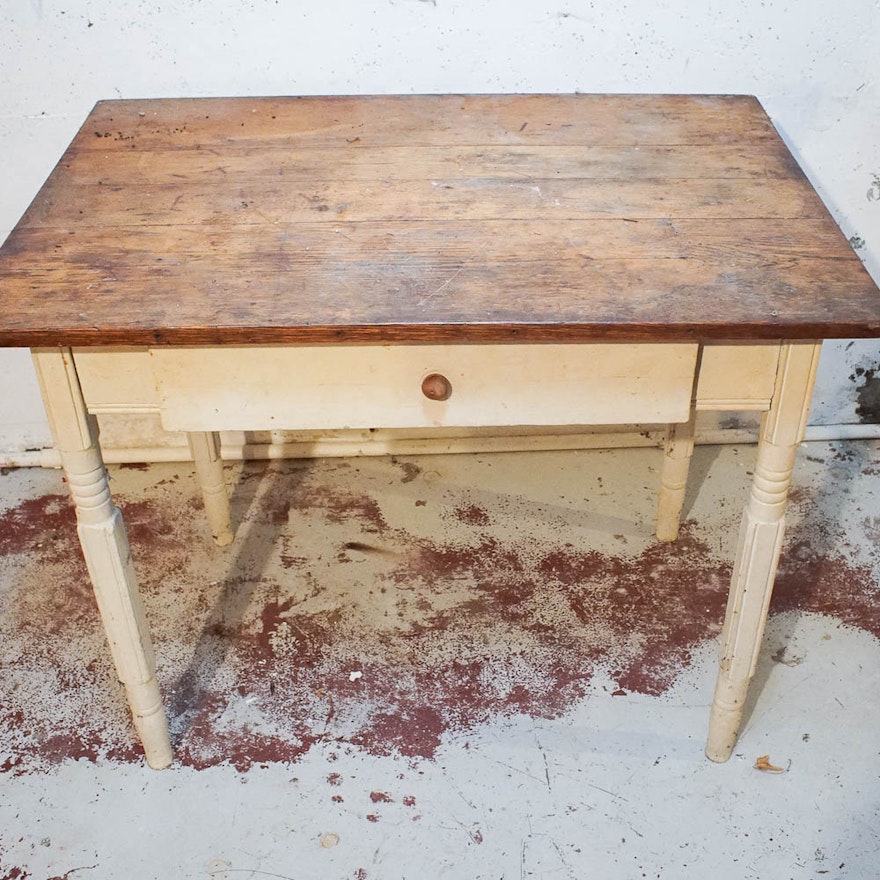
473	666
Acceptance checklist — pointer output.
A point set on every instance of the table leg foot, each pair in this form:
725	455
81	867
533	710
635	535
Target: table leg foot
205	448
723	730
678	450
150	722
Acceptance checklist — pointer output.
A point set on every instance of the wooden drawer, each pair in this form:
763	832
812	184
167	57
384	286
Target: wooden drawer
330	387
737	377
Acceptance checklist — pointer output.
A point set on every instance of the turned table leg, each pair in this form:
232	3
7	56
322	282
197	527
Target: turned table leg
105	547
205	448
760	539
678	450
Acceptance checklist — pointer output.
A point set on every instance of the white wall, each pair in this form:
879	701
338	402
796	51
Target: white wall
813	64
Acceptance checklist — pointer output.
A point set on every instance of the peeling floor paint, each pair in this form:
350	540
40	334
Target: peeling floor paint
867	394
475	595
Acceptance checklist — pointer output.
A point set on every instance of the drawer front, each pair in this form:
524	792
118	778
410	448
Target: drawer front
329	387
116	380
737	377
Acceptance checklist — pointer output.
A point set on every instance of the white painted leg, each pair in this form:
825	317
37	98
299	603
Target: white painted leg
105	547
679	449
760	540
205	448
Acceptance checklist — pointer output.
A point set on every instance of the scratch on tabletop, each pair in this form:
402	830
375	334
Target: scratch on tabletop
445	284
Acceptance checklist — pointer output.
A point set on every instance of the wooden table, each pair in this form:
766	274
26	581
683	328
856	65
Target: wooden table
421	261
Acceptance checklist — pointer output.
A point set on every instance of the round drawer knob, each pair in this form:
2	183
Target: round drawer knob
436	387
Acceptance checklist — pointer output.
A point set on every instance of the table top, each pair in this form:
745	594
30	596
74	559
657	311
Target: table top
429	219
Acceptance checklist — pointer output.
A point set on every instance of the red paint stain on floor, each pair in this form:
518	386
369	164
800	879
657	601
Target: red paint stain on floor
472	514
823	581
256	662
45	525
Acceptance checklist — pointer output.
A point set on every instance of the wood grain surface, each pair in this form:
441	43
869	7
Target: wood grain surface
429	218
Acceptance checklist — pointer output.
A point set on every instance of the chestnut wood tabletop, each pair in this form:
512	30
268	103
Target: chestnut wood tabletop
408	219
